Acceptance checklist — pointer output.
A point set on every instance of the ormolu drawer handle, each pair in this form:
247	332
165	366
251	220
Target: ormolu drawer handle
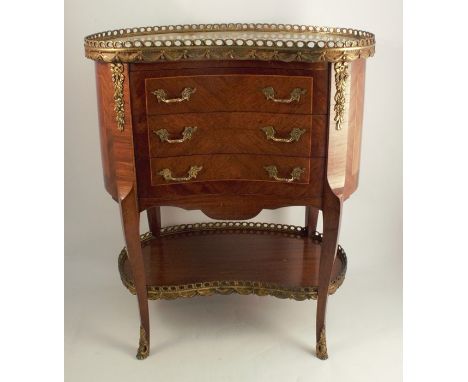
295	174
192	174
161	95
294	135
295	95
163	134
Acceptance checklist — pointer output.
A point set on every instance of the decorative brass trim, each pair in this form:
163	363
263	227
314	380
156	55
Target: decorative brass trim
341	78
295	95
225	226
295	174
321	348
294	135
243	287
112	46
161	95
187	134
143	348
192	174
118	81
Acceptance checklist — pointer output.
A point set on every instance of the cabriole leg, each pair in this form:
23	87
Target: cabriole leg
131	227
311	218
332	206
154	220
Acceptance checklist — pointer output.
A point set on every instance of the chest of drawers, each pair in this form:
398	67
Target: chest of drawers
231	119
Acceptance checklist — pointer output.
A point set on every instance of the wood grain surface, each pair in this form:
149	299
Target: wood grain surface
237	133
344	145
216	256
229	92
224	167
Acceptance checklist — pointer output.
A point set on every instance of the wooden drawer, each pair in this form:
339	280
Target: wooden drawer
203	168
236	133
233	92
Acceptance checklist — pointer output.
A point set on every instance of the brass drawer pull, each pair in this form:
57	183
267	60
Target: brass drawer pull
295	174
163	134
294	135
192	174
161	95
295	95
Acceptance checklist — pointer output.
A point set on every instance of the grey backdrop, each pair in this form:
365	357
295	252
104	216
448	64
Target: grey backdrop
235	337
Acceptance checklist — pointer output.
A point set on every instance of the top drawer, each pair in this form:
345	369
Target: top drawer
262	93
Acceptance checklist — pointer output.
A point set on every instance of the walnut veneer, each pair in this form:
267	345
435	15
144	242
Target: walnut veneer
231	119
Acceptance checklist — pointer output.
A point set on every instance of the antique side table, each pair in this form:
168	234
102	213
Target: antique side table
231	119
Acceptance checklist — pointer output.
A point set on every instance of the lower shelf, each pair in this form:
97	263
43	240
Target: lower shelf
233	257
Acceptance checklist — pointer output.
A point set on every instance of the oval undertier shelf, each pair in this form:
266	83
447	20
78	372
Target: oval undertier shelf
233	257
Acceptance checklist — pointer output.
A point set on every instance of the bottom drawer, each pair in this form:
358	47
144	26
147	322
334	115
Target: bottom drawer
204	168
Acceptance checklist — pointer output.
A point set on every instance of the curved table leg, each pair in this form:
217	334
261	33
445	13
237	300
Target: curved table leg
154	220
311	218
131	227
332	206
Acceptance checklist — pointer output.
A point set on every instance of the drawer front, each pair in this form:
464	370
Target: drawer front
209	93
205	168
236	133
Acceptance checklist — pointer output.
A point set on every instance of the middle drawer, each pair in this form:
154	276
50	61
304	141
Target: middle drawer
236	133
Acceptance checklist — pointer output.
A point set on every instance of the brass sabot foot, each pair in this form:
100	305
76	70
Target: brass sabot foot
143	348
321	348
